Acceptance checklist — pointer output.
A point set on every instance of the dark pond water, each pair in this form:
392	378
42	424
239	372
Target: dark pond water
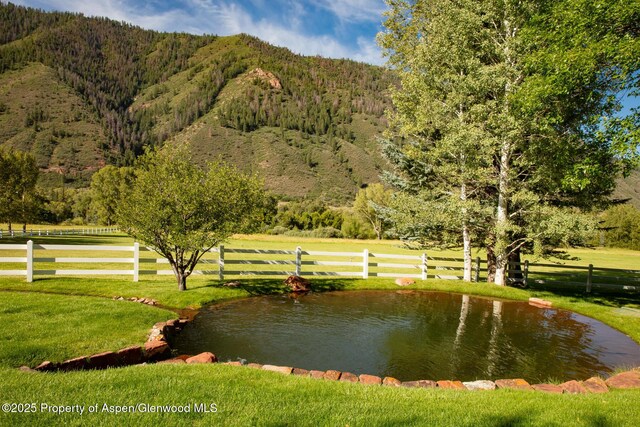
410	336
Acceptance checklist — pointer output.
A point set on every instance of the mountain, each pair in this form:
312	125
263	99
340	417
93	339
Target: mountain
628	188
82	92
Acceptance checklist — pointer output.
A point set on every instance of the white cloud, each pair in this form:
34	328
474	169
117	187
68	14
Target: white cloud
355	10
226	18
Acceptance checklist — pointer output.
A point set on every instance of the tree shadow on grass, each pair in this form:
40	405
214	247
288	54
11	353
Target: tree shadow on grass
277	286
608	299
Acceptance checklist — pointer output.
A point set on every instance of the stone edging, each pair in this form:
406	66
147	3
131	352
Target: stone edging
156	349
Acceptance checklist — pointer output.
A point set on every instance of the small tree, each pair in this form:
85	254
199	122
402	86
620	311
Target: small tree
368	201
182	211
107	187
18	177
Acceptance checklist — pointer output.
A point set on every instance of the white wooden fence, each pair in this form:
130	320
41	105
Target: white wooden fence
59	232
229	262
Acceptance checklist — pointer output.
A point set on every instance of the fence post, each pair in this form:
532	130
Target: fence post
30	261
365	264
298	261
477	272
526	272
423	267
590	278
136	261
221	262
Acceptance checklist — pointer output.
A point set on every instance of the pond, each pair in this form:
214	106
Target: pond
410	335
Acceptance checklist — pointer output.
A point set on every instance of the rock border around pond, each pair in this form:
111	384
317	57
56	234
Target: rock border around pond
157	349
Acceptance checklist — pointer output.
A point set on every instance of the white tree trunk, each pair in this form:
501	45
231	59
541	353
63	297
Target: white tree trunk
502	217
466	236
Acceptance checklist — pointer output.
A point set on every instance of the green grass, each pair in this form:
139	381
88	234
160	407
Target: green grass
57	318
41	327
244	396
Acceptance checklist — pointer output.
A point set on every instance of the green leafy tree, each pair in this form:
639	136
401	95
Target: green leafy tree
491	129
622	225
107	187
367	206
18	178
182	210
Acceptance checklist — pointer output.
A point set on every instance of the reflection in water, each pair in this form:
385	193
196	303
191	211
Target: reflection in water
416	335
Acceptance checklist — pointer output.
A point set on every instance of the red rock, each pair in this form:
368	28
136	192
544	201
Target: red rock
420	383
105	360
390	381
370	379
130	355
74	364
595	385
254	365
453	385
298	284
286	370
172	323
548	388
206	357
538	302
316	374
332	375
516	384
46	366
236	363
155	350
300	371
629	379
348	376
573	387
404	281
175	360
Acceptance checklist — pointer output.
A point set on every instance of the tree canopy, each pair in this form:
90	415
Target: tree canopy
182	210
502	115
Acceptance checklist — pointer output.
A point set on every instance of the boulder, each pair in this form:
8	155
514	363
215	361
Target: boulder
316	374
405	281
300	371
46	366
156	350
370	379
573	387
629	379
206	357
75	364
390	381
452	385
420	383
26	369
298	284
595	385
286	370
548	388
349	377
105	360
130	355
479	385
332	375
516	384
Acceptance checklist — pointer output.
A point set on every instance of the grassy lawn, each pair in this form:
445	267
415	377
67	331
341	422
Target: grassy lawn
57	318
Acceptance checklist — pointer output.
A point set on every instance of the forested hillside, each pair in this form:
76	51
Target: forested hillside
81	92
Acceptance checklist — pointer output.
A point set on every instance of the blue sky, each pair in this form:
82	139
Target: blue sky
331	28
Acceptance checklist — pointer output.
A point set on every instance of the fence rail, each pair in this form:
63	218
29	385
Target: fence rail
136	260
60	232
589	277
31	260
